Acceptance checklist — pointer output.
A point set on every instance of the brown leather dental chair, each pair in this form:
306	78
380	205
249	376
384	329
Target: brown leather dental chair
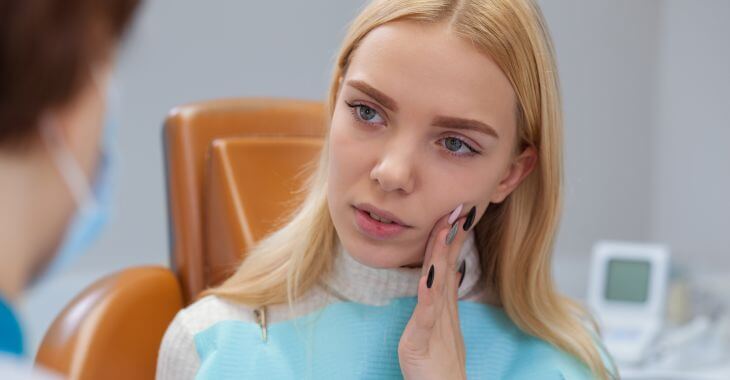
233	170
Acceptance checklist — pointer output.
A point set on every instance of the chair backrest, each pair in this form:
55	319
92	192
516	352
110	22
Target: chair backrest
232	166
232	169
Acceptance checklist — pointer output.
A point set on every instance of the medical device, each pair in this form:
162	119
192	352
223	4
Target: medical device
628	292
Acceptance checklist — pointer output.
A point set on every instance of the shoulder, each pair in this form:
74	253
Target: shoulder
210	310
178	356
540	359
502	347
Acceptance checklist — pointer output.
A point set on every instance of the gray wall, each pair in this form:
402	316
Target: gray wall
691	166
607	55
646	109
647	125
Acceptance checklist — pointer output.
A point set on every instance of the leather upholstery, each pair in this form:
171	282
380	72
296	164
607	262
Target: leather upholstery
233	168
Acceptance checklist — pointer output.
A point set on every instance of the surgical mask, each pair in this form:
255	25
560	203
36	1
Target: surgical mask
93	199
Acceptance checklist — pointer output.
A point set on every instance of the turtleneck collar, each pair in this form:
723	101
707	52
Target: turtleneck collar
352	281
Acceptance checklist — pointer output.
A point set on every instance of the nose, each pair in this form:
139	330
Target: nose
395	169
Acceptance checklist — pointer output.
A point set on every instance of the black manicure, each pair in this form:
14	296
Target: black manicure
429	280
462	270
470	218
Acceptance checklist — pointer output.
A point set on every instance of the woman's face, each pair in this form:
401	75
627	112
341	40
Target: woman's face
423	122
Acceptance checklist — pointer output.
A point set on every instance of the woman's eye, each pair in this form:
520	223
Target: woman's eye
457	146
366	114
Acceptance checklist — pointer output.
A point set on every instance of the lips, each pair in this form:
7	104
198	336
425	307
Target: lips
381	214
374	229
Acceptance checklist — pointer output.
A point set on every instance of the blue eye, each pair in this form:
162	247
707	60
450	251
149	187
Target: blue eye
457	147
366	114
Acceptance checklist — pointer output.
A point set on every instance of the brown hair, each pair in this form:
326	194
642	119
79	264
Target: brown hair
47	49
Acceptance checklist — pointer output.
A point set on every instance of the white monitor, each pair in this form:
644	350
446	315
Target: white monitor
627	292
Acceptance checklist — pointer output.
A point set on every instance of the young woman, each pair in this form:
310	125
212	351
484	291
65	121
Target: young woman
423	247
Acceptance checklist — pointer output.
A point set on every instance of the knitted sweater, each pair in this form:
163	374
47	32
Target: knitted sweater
348	327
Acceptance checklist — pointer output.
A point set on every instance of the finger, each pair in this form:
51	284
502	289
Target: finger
451	286
466	224
445	285
455	259
440	263
450	311
452	295
454	276
419	330
443	253
441	224
444	222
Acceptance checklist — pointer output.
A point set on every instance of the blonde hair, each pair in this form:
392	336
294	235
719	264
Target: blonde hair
513	237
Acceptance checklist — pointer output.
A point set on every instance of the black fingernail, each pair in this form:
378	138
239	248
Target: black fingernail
470	218
462	270
429	280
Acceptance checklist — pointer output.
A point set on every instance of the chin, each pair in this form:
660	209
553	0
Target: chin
372	253
377	255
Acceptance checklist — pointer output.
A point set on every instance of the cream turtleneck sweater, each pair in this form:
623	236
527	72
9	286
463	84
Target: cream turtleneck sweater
349	281
349	327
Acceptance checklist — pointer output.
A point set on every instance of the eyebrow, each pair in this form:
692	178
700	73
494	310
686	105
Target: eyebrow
383	99
440	121
460	123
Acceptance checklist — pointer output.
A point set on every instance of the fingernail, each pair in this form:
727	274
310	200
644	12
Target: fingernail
455	214
470	218
452	233
429	280
462	270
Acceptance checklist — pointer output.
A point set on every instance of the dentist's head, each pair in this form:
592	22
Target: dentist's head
55	61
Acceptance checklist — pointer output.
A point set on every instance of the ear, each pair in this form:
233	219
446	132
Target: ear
519	169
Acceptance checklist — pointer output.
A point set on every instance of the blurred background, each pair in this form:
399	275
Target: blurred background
647	122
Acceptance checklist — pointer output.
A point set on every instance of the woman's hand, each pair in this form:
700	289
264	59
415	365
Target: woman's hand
432	346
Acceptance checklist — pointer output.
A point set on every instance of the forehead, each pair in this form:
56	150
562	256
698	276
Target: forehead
428	67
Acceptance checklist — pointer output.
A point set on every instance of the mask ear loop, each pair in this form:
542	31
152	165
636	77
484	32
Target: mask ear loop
76	180
68	167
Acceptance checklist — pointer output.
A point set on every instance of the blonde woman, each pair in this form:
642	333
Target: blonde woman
423	247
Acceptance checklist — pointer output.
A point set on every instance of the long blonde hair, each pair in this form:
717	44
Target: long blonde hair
514	238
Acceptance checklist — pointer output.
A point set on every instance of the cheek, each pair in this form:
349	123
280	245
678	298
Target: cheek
346	165
472	186
349	156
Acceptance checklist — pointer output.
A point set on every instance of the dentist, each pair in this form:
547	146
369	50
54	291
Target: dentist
55	61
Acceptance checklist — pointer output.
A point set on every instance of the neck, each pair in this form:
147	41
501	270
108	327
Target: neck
353	281
29	197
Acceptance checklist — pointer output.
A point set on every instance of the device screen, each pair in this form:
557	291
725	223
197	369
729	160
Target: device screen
627	280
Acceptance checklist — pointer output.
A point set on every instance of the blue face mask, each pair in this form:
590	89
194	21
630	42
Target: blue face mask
93	199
